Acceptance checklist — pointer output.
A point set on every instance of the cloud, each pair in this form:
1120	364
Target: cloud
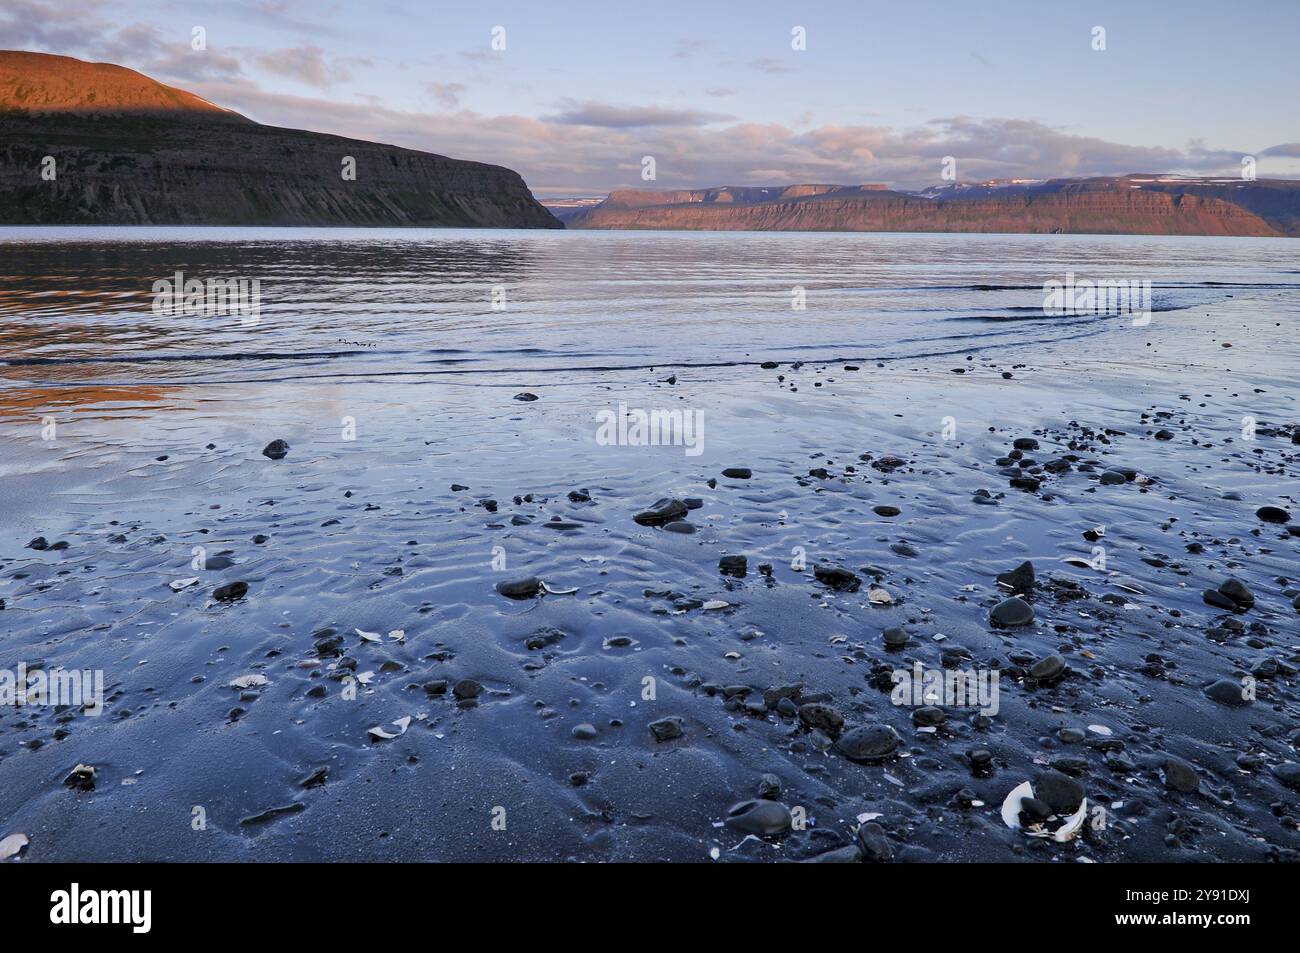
610	116
1290	150
446	95
768	64
589	146
306	63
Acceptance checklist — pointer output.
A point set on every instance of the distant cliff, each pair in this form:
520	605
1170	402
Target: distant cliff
1128	205
130	151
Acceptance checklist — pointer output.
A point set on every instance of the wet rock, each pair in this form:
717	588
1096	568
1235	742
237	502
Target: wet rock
868	743
667	729
1213	597
40	544
764	818
1020	579
467	689
542	638
230	592
1025	443
822	717
1060	792
1238	592
1273	514
526	397
1012	612
875	845
1113	478
837	578
929	716
738	473
316	779
886	510
769	787
1227	692
275	450
1288	774
585	731
1164	435
663	511
895	637
82	778
1048	669
1180	775
520	588
773	696
736	566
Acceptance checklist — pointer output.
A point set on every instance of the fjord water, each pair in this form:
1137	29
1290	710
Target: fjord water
415	482
342	303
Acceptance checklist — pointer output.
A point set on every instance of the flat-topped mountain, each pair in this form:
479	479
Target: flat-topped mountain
128	150
1129	205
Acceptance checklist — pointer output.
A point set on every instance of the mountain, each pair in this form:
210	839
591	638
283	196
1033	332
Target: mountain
129	150
1126	205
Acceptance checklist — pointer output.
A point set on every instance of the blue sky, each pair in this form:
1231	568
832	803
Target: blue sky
715	92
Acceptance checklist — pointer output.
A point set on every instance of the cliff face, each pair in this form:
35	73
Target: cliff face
130	151
1127	205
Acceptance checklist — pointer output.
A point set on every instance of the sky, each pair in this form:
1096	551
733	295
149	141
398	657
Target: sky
718	94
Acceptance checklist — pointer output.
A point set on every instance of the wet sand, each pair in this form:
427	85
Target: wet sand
553	757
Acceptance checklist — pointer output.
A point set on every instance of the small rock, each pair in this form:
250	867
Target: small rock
869	743
467	689
736	566
837	578
275	450
1049	668
1020	579
1012	612
1273	514
520	588
663	511
761	817
1060	792
1180	775
230	592
666	729
875	845
1227	692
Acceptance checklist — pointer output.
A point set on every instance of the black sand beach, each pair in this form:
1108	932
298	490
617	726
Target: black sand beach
647	681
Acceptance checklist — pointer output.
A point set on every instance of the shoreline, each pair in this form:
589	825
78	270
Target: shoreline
558	732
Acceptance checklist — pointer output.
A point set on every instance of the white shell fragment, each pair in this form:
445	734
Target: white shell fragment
1011	806
176	585
249	681
12	845
1073	824
384	735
